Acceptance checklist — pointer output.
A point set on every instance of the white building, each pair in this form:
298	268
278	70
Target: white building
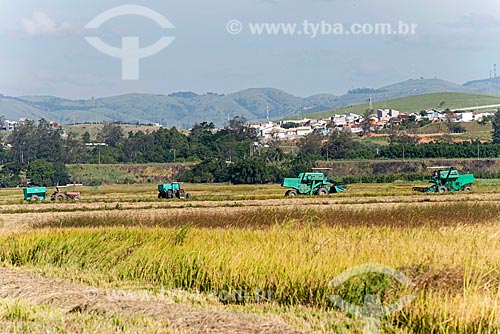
346	120
356	130
265	130
387	114
434	115
466	117
9	125
295	133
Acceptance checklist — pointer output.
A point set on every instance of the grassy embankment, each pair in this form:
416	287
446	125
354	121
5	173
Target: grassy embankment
153	174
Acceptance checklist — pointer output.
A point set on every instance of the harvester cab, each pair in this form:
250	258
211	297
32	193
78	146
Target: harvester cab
447	178
312	184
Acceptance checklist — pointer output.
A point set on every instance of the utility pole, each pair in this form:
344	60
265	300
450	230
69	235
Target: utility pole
279	106
299	106
490	91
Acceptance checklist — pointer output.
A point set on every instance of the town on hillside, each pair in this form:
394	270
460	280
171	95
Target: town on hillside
372	122
356	124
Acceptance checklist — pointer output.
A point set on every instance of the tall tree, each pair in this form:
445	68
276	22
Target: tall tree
73	150
338	146
239	126
111	134
311	144
9	175
41	173
366	124
32	141
86	137
496	127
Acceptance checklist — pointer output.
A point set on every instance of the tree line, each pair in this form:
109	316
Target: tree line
39	151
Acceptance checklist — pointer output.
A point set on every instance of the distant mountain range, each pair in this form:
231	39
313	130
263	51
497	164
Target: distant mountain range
183	109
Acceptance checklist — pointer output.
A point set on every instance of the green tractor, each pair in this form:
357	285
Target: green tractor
35	194
312	184
446	179
172	190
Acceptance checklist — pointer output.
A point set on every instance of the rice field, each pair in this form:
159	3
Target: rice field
244	253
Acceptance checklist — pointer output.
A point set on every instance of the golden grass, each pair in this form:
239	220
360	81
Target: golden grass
454	267
449	246
396	215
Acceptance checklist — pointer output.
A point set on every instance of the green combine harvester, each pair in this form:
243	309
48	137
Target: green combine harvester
446	178
312	184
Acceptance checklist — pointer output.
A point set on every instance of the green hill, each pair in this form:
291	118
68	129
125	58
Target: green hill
417	103
179	109
183	109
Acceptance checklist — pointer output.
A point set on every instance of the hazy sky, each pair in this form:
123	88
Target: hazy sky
44	50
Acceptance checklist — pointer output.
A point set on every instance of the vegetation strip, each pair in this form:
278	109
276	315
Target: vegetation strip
347	200
398	216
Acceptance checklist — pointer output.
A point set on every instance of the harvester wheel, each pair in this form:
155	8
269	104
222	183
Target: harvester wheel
34	198
160	196
170	194
323	192
60	197
291	193
442	189
468	189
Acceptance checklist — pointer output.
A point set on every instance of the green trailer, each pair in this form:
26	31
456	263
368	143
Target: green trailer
446	178
35	194
172	190
312	184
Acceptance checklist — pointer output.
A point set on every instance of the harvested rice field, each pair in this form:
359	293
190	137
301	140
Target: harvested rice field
244	259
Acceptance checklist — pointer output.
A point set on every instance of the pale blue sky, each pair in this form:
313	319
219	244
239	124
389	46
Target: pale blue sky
44	50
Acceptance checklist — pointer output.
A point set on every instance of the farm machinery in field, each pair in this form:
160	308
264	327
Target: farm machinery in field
446	179
35	194
40	194
172	190
62	196
312	184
